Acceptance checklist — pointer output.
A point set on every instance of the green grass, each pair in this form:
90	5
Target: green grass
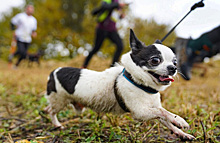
22	102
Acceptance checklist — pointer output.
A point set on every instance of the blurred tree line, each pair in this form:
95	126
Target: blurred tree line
66	28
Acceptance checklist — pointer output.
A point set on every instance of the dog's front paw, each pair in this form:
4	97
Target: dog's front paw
179	122
186	137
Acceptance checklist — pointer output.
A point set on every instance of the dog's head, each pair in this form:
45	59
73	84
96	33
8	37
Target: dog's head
153	65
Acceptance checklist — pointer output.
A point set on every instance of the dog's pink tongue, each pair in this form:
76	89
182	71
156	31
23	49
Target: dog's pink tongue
166	78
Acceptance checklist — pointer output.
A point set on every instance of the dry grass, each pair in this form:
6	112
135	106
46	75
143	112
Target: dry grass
22	102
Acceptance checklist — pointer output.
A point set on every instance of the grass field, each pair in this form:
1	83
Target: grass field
22	102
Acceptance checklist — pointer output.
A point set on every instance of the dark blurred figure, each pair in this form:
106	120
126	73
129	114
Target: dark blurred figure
34	57
106	28
25	26
207	45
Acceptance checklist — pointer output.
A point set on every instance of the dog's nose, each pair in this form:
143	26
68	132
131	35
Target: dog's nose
171	69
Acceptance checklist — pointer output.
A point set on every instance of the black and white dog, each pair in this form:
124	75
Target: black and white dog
131	87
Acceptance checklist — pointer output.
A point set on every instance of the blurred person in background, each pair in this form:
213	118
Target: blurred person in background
25	26
106	28
207	45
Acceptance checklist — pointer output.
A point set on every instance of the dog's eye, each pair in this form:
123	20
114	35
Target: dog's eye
175	62
155	61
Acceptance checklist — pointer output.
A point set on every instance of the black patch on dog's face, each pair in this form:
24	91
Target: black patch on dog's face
68	78
143	55
51	84
146	55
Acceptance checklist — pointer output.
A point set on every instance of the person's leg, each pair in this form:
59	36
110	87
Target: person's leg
100	36
192	50
186	67
20	47
23	47
10	57
115	38
12	51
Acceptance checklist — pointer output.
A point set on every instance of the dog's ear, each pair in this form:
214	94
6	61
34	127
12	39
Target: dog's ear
135	44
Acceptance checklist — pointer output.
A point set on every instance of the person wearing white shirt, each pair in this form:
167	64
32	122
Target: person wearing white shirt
25	26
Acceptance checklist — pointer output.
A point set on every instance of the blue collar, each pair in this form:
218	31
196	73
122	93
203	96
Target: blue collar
145	88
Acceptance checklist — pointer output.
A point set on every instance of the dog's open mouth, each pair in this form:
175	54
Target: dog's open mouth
165	79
